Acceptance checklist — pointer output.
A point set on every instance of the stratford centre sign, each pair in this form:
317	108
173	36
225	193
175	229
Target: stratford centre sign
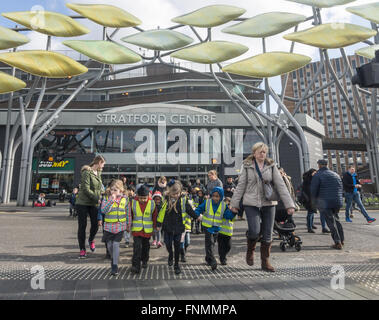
155	119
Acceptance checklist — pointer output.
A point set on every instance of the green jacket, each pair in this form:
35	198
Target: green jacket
90	188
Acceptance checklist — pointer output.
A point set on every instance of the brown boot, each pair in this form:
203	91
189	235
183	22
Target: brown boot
265	254
251	244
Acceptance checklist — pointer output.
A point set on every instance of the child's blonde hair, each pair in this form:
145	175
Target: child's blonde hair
115	184
174	189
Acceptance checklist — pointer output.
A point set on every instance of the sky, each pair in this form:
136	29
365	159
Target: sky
158	13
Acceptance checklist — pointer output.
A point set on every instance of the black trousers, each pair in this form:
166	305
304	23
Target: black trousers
224	245
210	241
169	239
141	249
83	212
333	222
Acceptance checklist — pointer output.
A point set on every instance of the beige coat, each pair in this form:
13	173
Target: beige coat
253	196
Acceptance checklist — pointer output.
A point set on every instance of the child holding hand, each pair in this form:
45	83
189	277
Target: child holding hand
116	212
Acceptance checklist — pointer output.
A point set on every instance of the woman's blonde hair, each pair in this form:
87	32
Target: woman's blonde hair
115	184
213	173
258	146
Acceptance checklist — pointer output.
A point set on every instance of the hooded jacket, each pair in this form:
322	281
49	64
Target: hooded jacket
250	186
227	214
90	188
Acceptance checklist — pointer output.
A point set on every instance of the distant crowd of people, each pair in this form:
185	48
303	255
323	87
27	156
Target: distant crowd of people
172	210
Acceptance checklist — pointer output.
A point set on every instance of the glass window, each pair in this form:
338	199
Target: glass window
108	141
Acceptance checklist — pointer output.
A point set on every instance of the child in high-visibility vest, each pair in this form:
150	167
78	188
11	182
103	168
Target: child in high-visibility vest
224	238
115	210
173	218
186	235
144	214
214	210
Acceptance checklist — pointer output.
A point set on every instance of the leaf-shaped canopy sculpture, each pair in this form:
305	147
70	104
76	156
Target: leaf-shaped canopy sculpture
104	51
159	40
332	35
268	64
11	39
368	11
43	63
210	16
323	3
367	52
211	52
106	15
10	84
50	23
266	24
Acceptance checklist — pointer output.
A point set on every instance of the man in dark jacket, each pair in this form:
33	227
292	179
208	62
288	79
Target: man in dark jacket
229	187
350	186
326	192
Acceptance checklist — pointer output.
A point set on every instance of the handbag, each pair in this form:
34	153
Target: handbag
268	187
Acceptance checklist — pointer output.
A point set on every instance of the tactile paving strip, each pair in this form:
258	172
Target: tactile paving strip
366	274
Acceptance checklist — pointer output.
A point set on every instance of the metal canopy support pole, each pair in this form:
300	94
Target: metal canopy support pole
375	137
272	154
304	144
26	146
245	115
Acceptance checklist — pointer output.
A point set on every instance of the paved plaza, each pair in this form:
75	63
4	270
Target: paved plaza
31	237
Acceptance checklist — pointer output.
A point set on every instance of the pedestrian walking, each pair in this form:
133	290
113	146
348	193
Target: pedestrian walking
224	237
130	193
72	202
87	202
256	170
172	220
199	185
161	185
144	218
280	210
115	212
351	187
158	199
326	192
213	182
213	211
229	187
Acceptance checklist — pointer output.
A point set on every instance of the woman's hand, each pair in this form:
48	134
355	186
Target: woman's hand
234	210
291	211
100	223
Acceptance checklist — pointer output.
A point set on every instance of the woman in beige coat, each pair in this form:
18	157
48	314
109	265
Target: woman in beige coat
257	207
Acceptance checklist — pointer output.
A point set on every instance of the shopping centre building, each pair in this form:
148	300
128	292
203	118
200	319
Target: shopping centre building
159	122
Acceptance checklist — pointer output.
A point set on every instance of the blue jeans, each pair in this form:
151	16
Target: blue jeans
186	242
323	220
310	217
350	197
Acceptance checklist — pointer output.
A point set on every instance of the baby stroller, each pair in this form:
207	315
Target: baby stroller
285	228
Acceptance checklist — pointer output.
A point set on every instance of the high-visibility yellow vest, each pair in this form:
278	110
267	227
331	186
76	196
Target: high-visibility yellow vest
117	212
210	218
185	216
143	221
227	227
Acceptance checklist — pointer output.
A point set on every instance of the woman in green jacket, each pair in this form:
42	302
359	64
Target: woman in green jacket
88	201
